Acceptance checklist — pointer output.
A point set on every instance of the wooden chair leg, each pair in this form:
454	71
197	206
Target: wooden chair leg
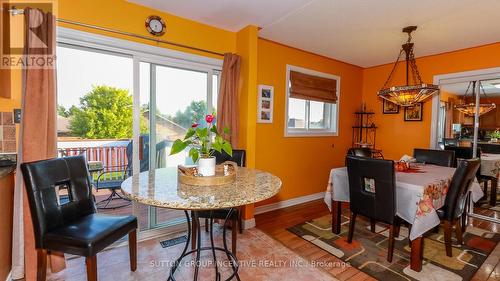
206	225
372	225
194	232
41	266
234	234
390	249
493	192
447	237
351	227
240	220
409	231
132	249
463	218
396	230
91	263
458	231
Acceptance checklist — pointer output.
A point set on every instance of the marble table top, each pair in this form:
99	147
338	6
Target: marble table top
160	188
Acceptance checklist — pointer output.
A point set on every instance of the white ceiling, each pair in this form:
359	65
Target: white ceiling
460	88
361	32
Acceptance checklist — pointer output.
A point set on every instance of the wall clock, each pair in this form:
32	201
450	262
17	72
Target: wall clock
155	25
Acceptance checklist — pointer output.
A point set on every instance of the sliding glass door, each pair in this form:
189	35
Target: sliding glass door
172	99
113	98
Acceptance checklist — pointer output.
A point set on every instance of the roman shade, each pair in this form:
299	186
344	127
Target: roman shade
311	87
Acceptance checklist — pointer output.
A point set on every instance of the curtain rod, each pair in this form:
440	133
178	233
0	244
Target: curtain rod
15	12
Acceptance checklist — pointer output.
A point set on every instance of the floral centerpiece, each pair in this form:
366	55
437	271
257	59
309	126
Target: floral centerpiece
203	142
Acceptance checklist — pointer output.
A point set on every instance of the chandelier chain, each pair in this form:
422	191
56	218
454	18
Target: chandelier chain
393	69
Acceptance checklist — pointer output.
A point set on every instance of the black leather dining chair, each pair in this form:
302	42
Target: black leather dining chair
239	157
487	181
455	201
372	193
360	151
71	226
444	158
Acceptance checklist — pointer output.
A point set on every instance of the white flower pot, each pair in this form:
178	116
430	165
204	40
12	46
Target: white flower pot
206	166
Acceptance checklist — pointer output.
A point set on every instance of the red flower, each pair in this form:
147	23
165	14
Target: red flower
209	118
194	125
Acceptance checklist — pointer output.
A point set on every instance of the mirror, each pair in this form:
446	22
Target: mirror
457	125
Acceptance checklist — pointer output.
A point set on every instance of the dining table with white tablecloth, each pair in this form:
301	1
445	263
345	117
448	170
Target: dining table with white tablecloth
419	193
490	167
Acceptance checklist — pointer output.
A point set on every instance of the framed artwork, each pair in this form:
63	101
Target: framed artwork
265	104
414	113
389	107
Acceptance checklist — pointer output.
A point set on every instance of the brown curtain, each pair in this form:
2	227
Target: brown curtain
38	133
228	102
311	87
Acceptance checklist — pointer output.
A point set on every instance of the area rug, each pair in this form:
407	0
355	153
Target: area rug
368	250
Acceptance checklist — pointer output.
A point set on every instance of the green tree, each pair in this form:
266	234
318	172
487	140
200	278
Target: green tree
194	112
105	112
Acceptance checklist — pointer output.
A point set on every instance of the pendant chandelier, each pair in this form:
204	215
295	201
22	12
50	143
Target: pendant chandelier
408	95
468	106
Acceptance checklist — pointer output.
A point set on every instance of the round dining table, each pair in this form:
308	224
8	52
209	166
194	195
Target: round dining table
161	188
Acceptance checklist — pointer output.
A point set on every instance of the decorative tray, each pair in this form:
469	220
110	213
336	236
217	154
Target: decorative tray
225	173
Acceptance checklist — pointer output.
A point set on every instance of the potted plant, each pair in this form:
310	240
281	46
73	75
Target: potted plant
495	136
203	143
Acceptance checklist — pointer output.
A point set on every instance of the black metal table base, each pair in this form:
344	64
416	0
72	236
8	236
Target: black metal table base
233	261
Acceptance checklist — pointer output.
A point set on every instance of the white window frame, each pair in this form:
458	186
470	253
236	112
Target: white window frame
334	117
142	53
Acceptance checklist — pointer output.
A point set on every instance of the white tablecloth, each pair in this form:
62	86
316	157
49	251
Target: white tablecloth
490	164
418	195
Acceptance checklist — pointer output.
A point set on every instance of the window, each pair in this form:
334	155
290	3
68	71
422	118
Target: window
312	103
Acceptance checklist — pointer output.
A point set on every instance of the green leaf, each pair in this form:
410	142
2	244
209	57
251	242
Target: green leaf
202	133
217	146
190	133
194	154
226	131
214	129
178	146
226	146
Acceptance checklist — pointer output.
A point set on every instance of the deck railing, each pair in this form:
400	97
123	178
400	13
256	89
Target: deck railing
112	154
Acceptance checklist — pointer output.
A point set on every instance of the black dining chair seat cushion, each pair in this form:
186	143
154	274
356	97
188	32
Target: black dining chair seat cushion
109	184
444	158
90	234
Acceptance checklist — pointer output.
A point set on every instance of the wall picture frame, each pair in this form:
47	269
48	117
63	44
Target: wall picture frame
414	113
266	104
389	107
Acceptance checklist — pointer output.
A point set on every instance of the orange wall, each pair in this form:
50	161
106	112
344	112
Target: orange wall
302	163
397	137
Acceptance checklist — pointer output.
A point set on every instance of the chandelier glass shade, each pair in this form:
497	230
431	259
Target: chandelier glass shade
468	106
409	94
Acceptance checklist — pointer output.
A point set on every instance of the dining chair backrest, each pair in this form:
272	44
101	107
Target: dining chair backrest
489	148
372	191
43	179
360	151
239	157
463	177
444	158
462	152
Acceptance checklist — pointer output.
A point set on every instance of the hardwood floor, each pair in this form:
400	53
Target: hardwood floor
275	223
